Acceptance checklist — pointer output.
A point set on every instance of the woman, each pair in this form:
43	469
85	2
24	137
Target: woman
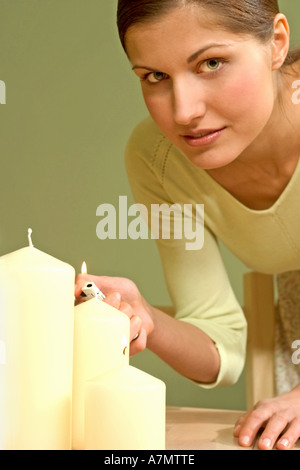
217	79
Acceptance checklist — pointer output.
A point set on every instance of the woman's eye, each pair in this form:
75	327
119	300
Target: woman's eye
155	77
211	65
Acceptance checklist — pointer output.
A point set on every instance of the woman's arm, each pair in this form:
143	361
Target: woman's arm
206	339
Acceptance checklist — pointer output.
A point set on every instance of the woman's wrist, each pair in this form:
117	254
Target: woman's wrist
148	317
153	335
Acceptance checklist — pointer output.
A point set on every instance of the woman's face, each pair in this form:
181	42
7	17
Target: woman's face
210	91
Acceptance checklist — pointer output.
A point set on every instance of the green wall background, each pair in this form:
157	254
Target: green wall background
71	103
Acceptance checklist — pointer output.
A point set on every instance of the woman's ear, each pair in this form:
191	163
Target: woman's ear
280	41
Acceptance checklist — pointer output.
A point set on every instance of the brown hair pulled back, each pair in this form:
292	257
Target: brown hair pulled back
250	17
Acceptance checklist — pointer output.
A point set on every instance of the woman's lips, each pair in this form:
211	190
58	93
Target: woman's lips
203	137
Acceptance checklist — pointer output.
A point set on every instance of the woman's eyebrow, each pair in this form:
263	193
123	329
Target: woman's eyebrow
189	60
202	50
146	68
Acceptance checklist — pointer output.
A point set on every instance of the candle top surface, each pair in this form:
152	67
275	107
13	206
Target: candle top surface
126	377
96	308
32	258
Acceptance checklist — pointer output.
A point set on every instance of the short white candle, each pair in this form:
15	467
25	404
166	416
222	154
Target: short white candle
125	410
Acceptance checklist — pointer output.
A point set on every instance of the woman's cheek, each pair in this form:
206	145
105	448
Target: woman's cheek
247	95
160	111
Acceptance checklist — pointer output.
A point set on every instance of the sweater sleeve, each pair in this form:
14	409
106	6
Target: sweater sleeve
196	280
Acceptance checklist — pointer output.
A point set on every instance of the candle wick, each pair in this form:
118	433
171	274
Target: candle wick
29	237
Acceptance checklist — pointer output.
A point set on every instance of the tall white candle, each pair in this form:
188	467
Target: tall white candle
36	343
125	410
101	343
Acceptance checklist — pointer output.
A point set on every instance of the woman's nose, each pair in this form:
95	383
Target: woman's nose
188	102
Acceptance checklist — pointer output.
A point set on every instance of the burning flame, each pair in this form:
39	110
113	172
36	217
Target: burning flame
83	268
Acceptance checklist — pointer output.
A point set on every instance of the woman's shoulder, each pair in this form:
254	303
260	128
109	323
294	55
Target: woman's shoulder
147	141
147	147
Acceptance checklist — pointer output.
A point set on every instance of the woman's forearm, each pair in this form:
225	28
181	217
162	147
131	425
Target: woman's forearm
184	347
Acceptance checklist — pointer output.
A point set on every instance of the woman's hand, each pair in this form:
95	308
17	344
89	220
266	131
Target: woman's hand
124	295
280	418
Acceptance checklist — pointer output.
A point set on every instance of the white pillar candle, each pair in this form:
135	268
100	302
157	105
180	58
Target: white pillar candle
125	410
101	343
36	343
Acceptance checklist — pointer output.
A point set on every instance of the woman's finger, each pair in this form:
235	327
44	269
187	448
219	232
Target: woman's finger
255	420
239	424
113	299
291	436
275	426
138	345
127	309
135	327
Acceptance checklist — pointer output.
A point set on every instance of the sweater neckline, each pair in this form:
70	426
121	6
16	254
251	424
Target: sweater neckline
225	193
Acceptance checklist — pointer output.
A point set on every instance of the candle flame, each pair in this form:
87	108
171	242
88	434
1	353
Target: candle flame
83	268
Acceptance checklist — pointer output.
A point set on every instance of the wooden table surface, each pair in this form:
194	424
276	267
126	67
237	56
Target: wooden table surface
203	429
